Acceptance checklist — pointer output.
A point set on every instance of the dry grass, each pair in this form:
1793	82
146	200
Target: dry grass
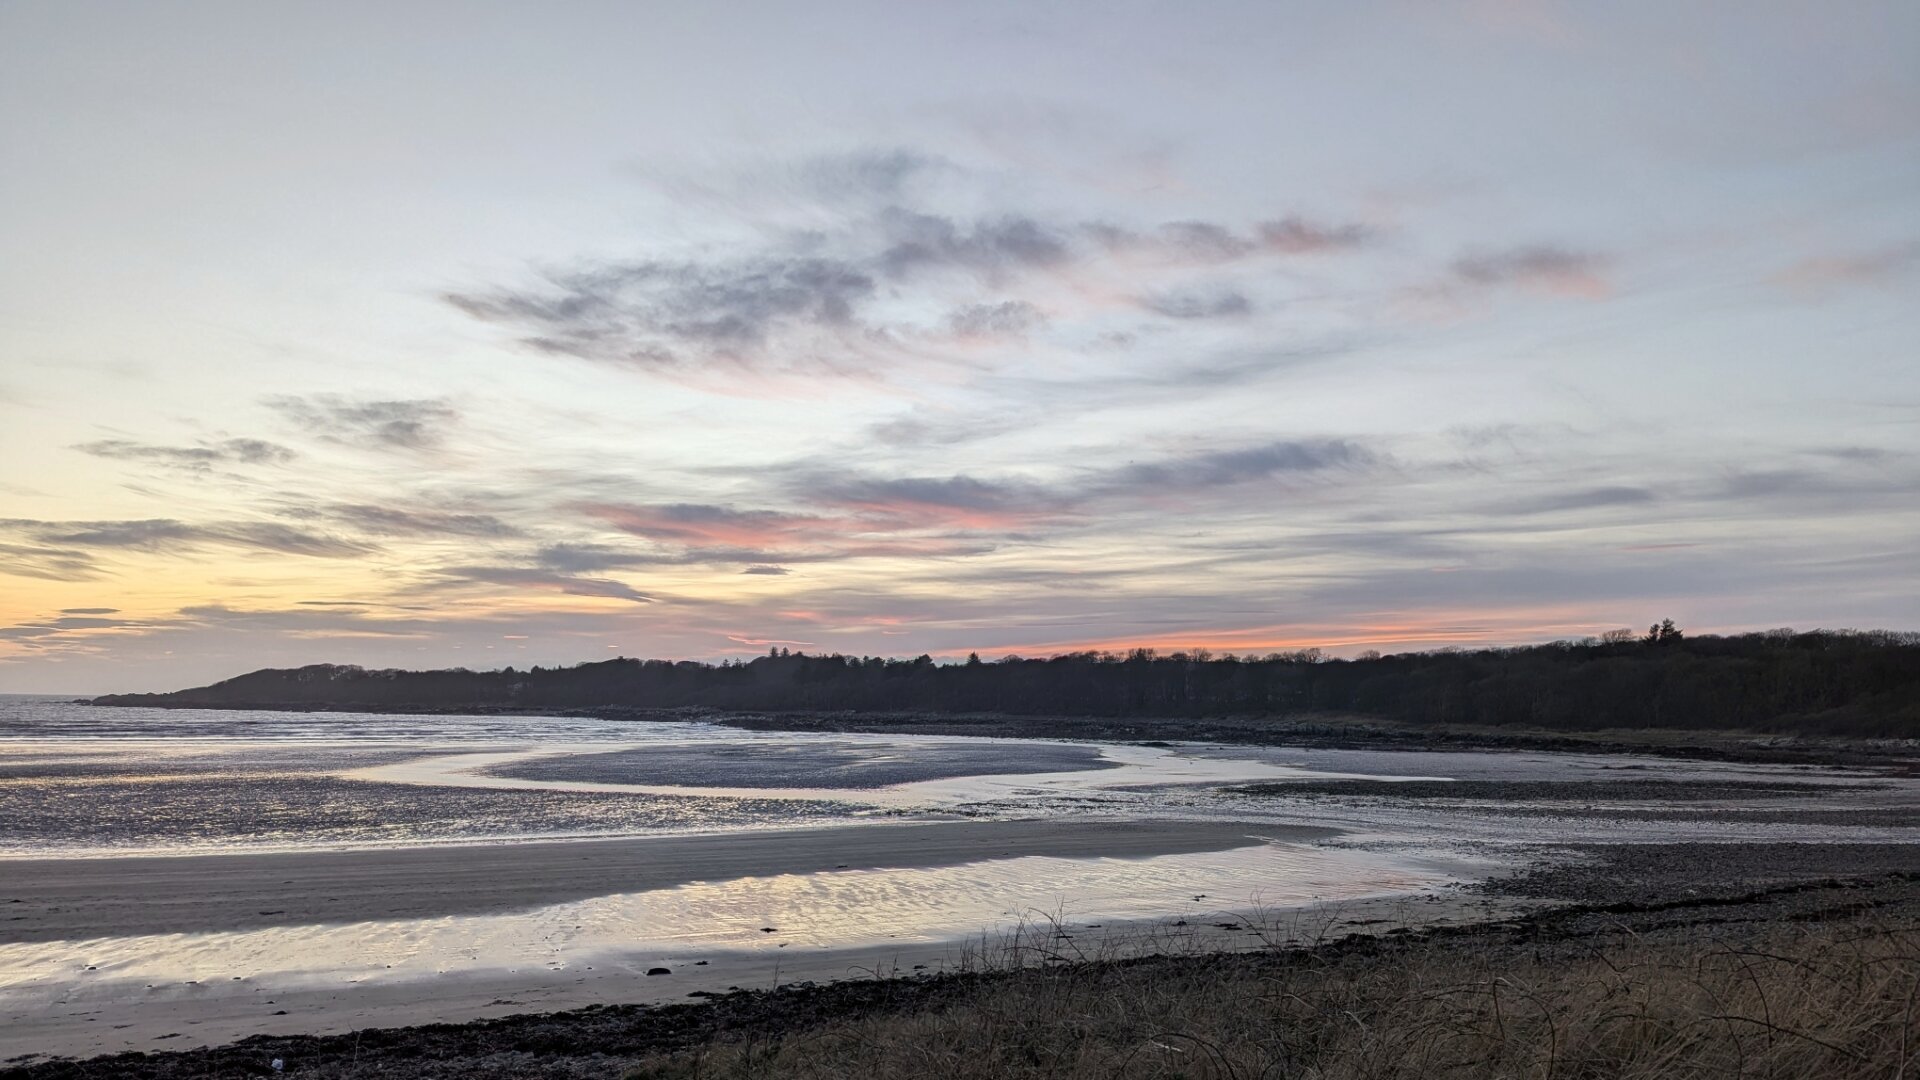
1828	1001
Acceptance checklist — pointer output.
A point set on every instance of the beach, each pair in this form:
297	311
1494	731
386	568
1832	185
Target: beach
56	899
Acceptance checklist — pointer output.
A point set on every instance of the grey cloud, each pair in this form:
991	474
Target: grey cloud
1009	318
152	534
1776	482
1298	236
1584	499
411	424
158	535
661	315
866	176
806	301
1206	242
586	558
1189	305
922	428
1864	454
47	563
307	622
65	623
267	536
520	577
74	622
394	521
953	492
90	611
917	241
1821	273
1001	504
199	458
1544	266
1224	467
767	570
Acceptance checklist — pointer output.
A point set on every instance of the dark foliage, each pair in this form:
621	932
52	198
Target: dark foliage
1829	682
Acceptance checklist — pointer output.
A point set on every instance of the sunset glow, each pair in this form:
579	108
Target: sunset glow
333	334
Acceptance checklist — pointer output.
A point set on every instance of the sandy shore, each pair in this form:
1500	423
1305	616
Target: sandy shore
73	899
117	1018
76	899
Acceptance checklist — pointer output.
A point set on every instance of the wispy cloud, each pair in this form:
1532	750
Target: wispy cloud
1578	499
1226	303
845	299
47	563
1818	275
201	457
1540	267
380	520
1218	468
164	535
543	581
408	424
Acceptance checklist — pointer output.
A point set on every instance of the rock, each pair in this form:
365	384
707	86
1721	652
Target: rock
659	971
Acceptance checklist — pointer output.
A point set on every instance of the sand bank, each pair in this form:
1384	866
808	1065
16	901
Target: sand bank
73	899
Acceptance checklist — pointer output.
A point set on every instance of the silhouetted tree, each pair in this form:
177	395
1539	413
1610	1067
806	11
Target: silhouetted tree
1842	681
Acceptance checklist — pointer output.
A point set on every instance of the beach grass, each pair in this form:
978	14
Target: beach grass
1779	1000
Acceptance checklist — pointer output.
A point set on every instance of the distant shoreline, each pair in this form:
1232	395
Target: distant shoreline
1315	731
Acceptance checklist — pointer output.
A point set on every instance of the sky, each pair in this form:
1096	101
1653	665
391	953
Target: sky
421	334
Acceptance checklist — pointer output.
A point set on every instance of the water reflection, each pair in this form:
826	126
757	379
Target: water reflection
836	909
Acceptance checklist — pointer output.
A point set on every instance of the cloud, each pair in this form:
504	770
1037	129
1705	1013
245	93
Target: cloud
47	563
395	521
164	535
1583	499
923	427
1006	319
413	424
706	526
325	622
771	571
1207	243
90	611
575	558
1297	236
922	502
542	580
662	316
846	299
1192	305
1543	268
35	633
917	242
1226	467
198	458
868	174
1821	274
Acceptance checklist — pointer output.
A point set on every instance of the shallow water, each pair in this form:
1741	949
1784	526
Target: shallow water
834	909
77	781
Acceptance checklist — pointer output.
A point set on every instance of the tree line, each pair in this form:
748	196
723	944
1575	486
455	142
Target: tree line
1823	681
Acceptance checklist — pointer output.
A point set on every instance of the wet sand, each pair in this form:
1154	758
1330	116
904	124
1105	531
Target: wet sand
116	1018
72	899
